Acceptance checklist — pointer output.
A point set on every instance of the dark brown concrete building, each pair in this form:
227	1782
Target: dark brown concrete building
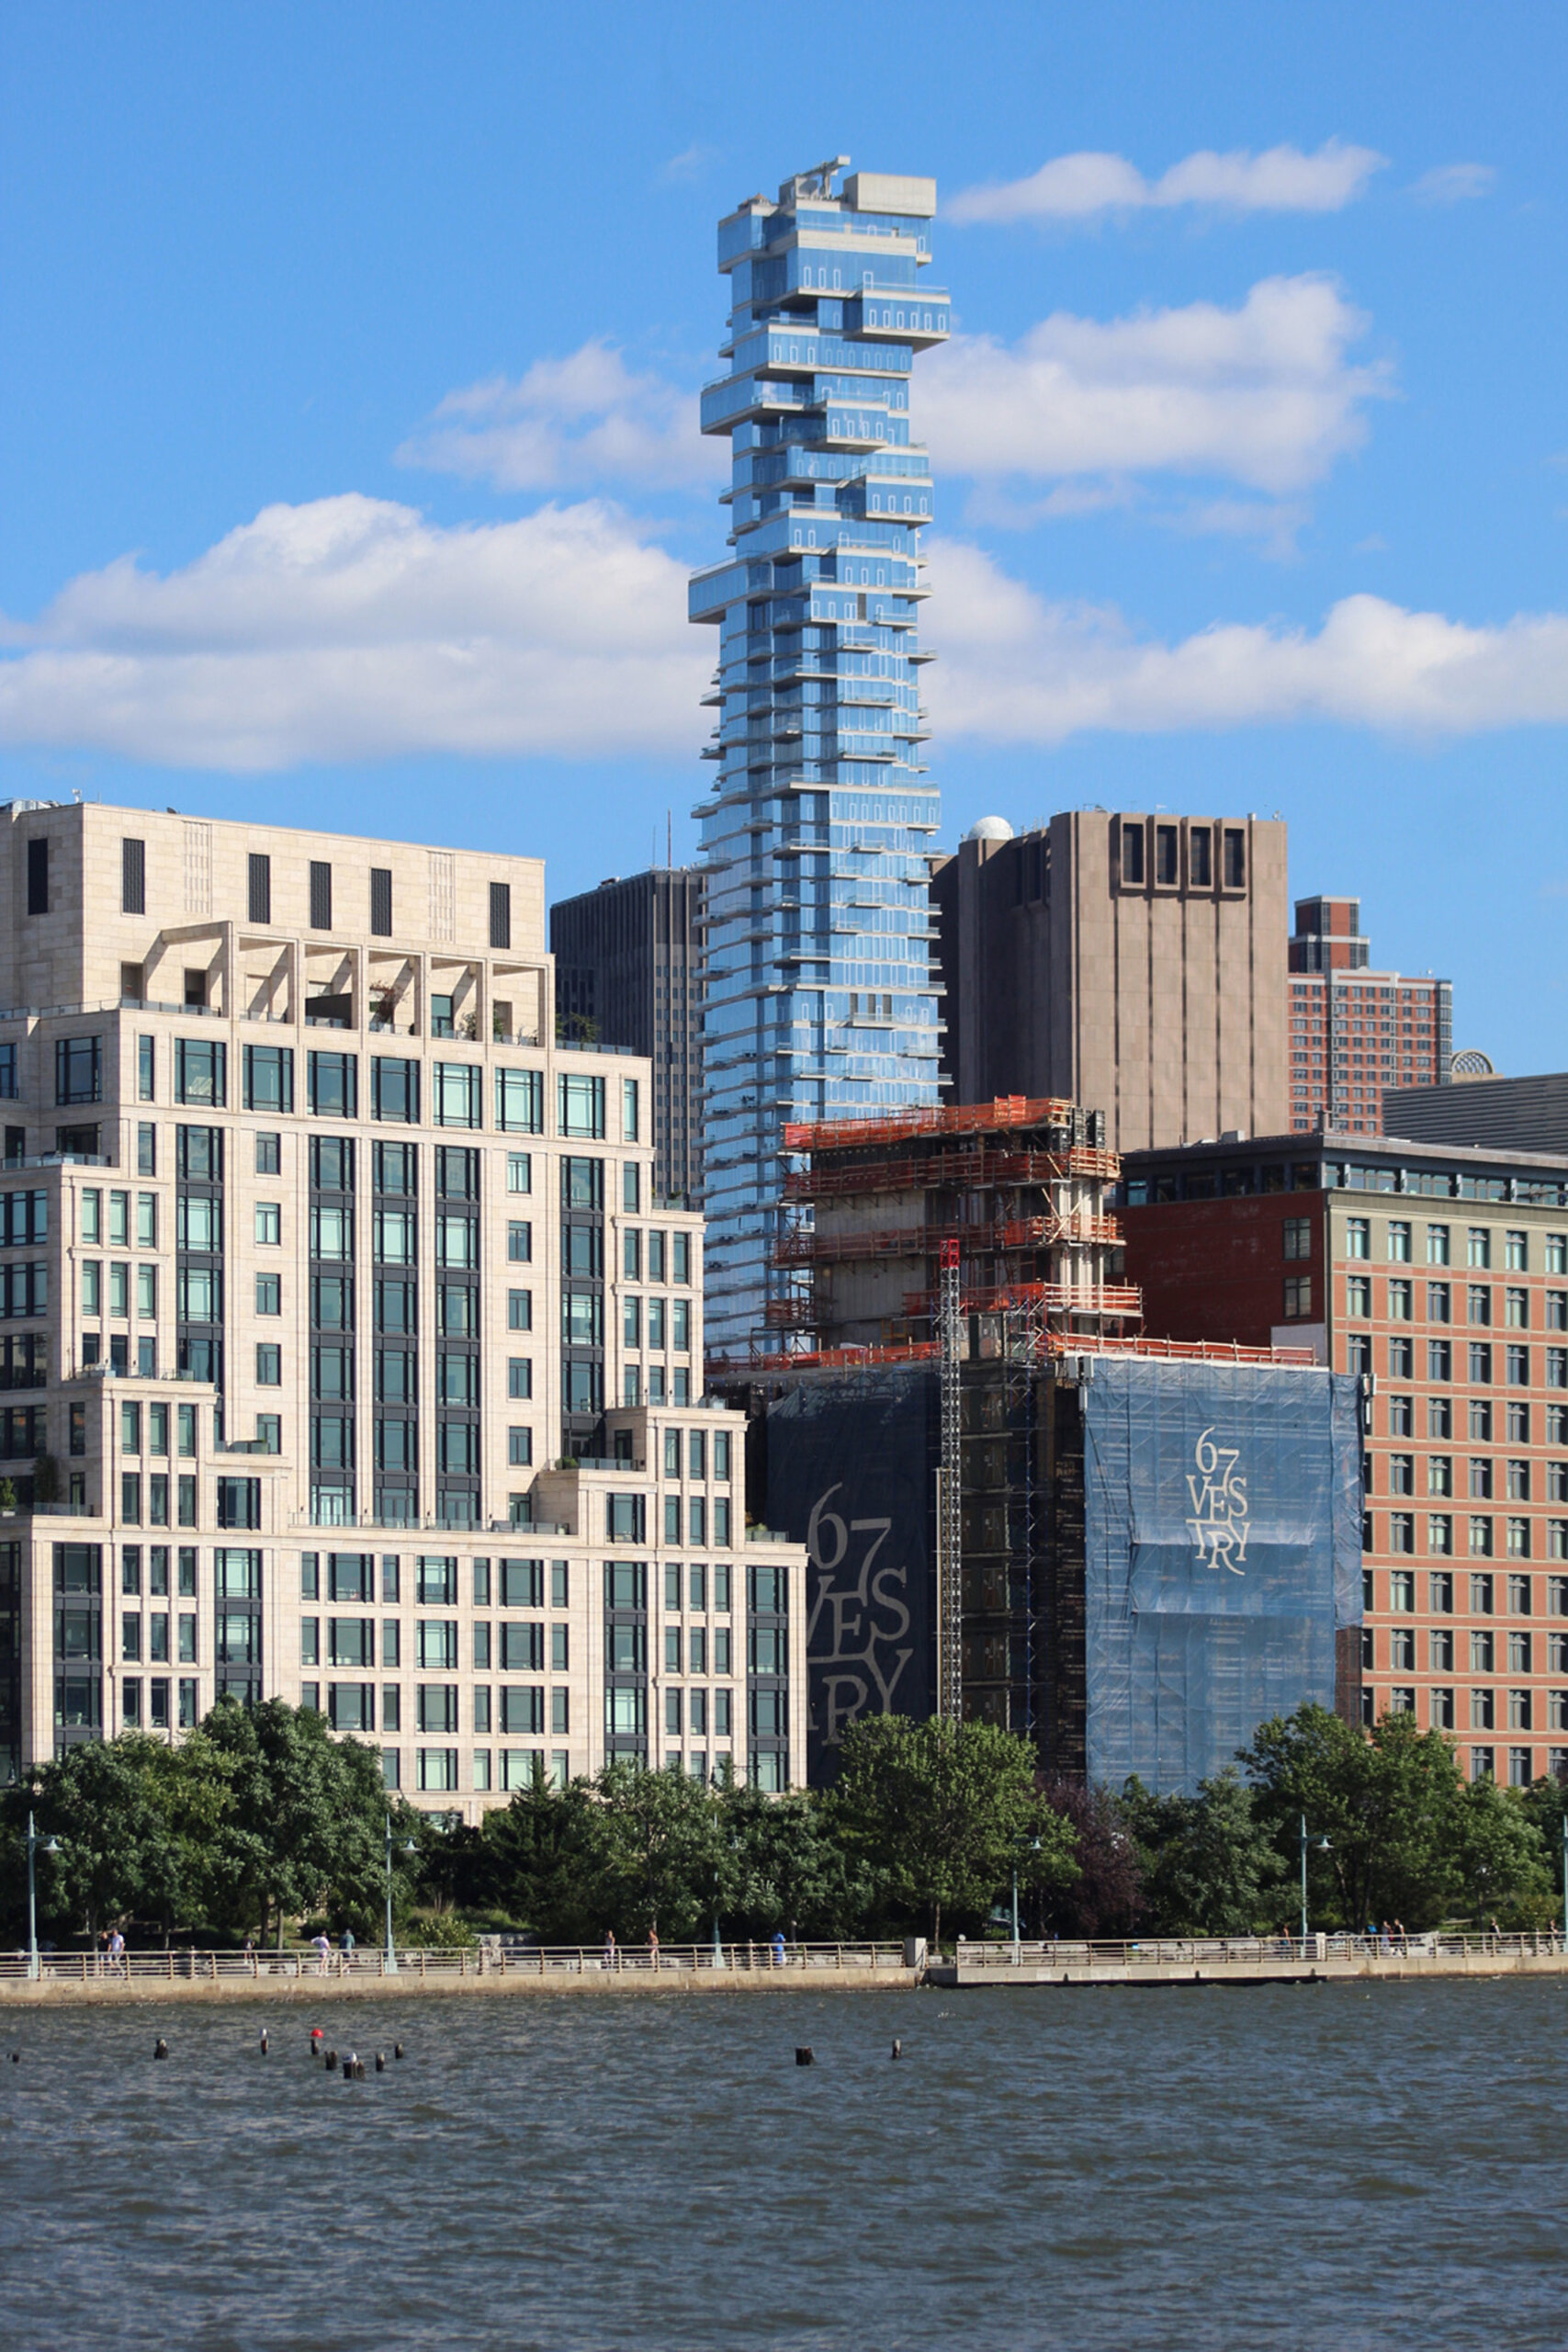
1136	962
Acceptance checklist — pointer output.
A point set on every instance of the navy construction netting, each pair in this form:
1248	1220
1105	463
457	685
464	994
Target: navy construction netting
850	1474
1223	1549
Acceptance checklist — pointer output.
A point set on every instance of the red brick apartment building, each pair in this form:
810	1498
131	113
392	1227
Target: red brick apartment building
1441	1274
1355	1031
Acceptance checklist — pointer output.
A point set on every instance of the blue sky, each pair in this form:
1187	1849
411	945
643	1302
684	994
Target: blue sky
349	472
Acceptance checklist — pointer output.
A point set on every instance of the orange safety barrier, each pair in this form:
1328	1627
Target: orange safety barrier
1056	1298
1051	1343
1079	1230
964	1171
954	1119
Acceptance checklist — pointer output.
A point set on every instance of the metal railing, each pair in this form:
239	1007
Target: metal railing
1220	1951
365	1964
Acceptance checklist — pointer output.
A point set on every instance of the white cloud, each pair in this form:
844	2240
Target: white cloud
1454	182
1016	670
691	163
1077	187
351	628
1263	394
584	419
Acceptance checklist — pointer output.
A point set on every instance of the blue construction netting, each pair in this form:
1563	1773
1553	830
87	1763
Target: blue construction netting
1223	1512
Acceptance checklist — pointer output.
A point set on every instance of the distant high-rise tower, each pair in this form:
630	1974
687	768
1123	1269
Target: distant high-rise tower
628	973
1357	1033
820	996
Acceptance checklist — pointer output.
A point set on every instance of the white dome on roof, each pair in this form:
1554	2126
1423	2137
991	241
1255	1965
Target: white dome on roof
989	829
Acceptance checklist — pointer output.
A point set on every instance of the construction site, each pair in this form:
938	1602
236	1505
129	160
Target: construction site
1020	1508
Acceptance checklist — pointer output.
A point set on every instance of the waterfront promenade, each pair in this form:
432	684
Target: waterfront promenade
299	1977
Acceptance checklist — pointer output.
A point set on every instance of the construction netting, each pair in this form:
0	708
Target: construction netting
850	1474
1222	1551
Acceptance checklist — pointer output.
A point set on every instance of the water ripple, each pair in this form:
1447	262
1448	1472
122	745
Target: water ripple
1051	2169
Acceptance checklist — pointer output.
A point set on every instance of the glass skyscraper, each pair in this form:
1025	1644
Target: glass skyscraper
820	1001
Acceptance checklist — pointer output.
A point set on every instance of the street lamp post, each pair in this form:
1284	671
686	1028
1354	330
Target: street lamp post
1321	1845
47	1846
1033	1848
390	1954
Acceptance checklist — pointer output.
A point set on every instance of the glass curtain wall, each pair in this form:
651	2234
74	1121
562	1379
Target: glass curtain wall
820	1001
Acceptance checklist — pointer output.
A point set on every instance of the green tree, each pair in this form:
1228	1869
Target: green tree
788	1869
544	1862
1208	1864
118	1853
304	1828
1546	1807
940	1811
1501	1860
665	1859
1389	1802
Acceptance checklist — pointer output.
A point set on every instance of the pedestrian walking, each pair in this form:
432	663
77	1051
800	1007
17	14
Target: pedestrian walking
345	1947
323	1950
609	1947
777	1948
116	1954
653	1946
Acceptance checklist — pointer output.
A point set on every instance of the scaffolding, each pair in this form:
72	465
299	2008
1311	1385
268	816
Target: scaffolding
1026	1335
950	1504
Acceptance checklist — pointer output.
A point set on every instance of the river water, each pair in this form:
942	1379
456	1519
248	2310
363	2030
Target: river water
1334	2165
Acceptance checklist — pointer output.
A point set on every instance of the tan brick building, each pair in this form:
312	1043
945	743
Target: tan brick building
1439	1274
351	1356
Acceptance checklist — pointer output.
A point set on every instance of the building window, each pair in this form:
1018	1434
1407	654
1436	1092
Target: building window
269	1077
1399	1243
454	1088
1438	1303
520	1101
133	878
321	895
37	878
334	1085
394	1089
1298	1296
1437	1252
78	1069
1358	1238
380	902
259	878
580	1105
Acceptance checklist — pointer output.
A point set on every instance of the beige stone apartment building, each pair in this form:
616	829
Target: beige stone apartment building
350	1355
